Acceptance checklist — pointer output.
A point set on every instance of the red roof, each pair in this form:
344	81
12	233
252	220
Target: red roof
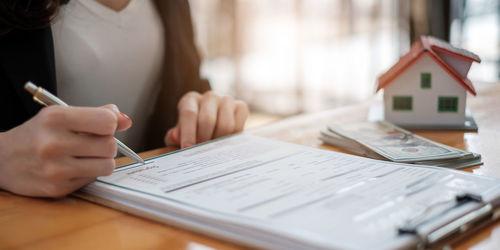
428	45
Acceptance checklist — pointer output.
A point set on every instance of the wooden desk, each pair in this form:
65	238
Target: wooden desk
71	223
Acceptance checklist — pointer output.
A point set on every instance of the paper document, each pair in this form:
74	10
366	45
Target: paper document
280	195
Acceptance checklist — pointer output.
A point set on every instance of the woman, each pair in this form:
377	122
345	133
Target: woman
96	52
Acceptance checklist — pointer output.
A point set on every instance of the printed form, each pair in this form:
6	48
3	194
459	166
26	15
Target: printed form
334	198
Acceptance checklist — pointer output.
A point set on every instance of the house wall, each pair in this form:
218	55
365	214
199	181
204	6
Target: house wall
425	101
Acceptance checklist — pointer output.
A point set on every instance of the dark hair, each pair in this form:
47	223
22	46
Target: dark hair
27	14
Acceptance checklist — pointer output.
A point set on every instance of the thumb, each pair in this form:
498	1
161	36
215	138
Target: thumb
172	136
124	122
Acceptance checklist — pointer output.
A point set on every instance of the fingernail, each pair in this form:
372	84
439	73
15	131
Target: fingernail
125	116
115	108
187	146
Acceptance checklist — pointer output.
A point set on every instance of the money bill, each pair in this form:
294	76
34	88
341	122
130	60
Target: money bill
336	140
466	159
394	143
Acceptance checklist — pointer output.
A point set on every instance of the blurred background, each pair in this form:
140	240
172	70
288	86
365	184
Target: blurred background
286	57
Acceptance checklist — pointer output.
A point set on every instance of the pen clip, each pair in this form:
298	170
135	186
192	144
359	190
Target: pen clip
38	93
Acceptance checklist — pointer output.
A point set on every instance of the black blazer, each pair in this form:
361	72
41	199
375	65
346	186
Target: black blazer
29	55
24	55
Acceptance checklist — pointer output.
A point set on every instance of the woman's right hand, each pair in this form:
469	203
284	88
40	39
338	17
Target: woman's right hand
60	149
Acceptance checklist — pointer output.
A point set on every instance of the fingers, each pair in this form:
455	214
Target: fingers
60	189
100	121
81	155
88	145
225	118
207	117
204	117
188	116
74	167
86	132
59	179
77	183
80	119
124	122
57	146
240	115
172	137
91	167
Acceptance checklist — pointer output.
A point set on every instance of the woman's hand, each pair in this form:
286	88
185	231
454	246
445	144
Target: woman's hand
205	117
59	150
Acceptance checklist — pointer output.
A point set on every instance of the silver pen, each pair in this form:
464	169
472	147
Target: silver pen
45	98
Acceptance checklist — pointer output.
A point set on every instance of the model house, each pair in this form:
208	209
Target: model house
428	86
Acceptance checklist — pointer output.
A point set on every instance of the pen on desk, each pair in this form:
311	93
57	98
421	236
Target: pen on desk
45	98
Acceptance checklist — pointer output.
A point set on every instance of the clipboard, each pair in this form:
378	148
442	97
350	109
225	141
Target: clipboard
330	210
457	229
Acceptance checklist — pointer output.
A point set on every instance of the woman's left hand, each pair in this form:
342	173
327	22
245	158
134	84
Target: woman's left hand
205	117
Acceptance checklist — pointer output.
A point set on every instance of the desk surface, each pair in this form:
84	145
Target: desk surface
29	223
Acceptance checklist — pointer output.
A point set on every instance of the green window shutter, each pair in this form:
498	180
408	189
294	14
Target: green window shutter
447	104
402	103
425	80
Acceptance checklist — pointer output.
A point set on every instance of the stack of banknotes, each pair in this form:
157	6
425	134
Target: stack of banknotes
385	141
